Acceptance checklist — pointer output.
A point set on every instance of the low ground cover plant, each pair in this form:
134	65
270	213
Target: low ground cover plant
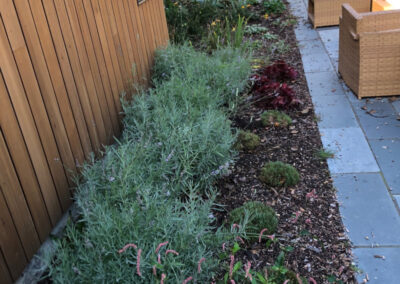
143	218
279	174
256	218
247	140
275	118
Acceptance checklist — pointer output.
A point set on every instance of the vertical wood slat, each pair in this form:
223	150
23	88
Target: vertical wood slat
14	196
63	67
4	273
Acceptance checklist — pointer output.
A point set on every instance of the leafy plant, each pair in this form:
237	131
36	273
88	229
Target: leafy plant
268	89
276	96
254	216
279	71
255	29
188	19
276	7
275	118
279	47
269	36
247	140
279	174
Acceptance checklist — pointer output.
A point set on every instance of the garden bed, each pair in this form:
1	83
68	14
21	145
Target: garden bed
318	244
157	207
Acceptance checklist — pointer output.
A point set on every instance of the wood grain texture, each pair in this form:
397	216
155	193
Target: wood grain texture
63	67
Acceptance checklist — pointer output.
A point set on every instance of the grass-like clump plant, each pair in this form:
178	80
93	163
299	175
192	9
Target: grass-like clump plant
247	140
324	154
143	215
255	216
279	174
275	118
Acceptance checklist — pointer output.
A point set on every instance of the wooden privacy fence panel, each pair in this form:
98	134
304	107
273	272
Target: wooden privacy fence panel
63	66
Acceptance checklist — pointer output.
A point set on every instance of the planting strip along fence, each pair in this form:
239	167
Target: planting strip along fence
63	66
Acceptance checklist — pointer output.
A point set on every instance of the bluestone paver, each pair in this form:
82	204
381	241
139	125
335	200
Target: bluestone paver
324	84
352	152
304	32
387	152
381	265
378	119
327	109
315	59
397	198
396	105
368	210
330	39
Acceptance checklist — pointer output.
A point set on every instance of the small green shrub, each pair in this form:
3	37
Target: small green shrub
279	174
247	140
275	118
254	216
276	7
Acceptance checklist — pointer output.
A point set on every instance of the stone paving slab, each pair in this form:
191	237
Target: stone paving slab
330	38
397	198
387	152
396	106
352	152
378	118
305	33
380	271
315	59
324	84
368	210
334	112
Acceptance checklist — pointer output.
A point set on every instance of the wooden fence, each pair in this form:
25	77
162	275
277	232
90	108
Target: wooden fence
63	66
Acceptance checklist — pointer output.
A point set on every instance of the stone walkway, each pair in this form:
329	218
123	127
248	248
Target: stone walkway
366	167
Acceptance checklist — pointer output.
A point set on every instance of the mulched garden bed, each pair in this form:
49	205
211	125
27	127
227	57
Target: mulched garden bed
319	246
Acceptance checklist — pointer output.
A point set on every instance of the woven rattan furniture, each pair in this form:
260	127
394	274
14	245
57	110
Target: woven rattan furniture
369	52
327	12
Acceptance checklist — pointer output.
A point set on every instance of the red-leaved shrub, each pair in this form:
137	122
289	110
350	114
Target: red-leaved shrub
269	91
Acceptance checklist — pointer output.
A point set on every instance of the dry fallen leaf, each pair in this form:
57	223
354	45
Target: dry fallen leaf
380	256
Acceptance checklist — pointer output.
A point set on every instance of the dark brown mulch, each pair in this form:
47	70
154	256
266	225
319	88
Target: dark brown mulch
320	247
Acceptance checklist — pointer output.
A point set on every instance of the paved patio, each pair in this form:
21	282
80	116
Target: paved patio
365	137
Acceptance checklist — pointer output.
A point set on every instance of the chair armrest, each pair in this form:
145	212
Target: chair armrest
349	20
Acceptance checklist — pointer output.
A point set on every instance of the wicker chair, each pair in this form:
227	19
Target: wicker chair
327	12
369	52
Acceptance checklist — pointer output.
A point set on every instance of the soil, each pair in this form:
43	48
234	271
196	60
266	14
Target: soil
320	246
